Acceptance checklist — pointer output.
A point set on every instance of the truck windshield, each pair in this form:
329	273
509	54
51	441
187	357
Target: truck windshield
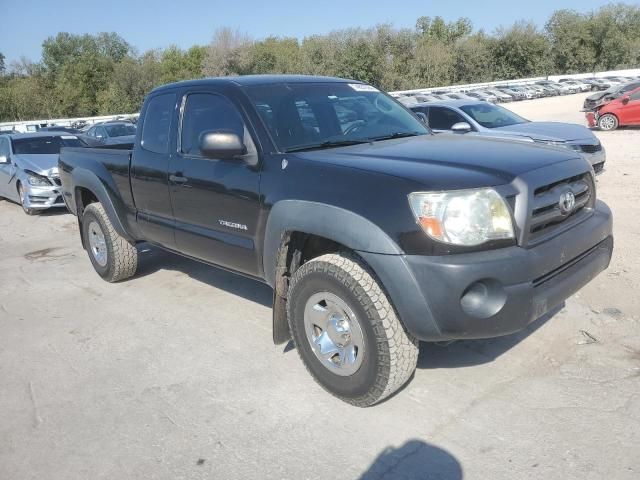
492	116
323	115
43	145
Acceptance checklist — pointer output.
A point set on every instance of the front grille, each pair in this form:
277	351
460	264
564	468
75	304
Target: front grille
591	148
546	214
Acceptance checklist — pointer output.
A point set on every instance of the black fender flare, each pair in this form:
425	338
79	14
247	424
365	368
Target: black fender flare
334	223
106	194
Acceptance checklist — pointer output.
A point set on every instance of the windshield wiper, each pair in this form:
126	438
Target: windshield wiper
394	135
327	144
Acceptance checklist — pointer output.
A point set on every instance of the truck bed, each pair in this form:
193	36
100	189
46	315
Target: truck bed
111	164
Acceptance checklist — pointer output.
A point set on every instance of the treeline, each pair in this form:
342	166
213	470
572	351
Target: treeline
83	75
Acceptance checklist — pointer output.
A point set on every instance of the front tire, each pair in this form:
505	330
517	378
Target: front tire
347	332
111	255
608	122
23	197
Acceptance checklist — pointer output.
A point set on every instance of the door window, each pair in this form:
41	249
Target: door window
157	123
206	112
635	96
441	118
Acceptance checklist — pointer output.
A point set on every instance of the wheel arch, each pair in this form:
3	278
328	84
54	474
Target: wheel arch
88	188
298	231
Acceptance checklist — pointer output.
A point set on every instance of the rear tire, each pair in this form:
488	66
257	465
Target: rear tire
335	304
111	255
608	122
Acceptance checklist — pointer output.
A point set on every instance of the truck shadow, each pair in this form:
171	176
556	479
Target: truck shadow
414	460
465	353
153	259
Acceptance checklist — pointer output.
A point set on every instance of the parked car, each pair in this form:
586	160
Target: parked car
516	95
600	98
550	91
622	111
524	93
597	84
373	232
29	168
111	133
57	128
500	95
487	120
562	89
483	95
578	85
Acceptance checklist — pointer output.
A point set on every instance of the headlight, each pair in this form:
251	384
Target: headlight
37	180
560	144
463	217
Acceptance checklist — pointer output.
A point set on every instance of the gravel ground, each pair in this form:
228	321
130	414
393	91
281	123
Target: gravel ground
173	375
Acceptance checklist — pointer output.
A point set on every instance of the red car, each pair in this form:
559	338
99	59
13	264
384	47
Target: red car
621	111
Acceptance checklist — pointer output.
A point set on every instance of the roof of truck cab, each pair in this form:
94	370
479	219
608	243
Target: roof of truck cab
246	80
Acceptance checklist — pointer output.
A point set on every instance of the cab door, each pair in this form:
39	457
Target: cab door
216	202
149	170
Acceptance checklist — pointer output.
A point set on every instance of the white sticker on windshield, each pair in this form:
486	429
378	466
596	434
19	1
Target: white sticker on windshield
68	137
360	87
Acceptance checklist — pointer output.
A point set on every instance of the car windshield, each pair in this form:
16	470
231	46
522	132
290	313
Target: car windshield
492	116
120	130
309	116
43	145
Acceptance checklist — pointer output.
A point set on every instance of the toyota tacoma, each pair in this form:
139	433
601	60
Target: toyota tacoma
373	233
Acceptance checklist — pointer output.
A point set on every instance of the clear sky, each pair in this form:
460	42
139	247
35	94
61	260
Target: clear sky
24	24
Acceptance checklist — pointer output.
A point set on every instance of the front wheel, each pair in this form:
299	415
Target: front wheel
111	255
23	200
347	332
608	122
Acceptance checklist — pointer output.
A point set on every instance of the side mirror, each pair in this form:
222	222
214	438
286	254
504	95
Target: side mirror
220	144
461	127
625	100
99	137
422	117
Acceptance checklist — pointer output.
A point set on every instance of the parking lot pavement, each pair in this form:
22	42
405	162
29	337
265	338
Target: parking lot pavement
172	375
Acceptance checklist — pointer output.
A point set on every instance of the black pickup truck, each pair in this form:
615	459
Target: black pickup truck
372	232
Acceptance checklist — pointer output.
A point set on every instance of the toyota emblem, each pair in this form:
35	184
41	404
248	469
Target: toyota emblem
567	202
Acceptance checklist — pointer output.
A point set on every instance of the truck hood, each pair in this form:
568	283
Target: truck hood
445	161
40	164
555	131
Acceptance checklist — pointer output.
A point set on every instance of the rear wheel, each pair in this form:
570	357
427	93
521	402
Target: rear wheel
346	331
23	198
608	122
111	255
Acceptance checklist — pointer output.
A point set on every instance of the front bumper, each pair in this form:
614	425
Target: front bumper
41	198
496	292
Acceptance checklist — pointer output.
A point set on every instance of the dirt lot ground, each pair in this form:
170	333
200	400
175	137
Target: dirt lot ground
172	375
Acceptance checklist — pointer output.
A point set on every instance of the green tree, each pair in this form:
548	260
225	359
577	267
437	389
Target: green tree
229	53
521	51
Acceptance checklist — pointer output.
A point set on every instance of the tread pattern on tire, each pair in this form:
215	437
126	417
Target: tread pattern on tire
397	349
123	256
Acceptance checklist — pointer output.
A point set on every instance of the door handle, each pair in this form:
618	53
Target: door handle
178	179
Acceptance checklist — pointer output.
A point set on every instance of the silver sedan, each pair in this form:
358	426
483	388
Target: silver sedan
486	119
29	168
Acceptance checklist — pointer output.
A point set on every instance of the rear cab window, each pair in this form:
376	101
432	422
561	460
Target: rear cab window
157	123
